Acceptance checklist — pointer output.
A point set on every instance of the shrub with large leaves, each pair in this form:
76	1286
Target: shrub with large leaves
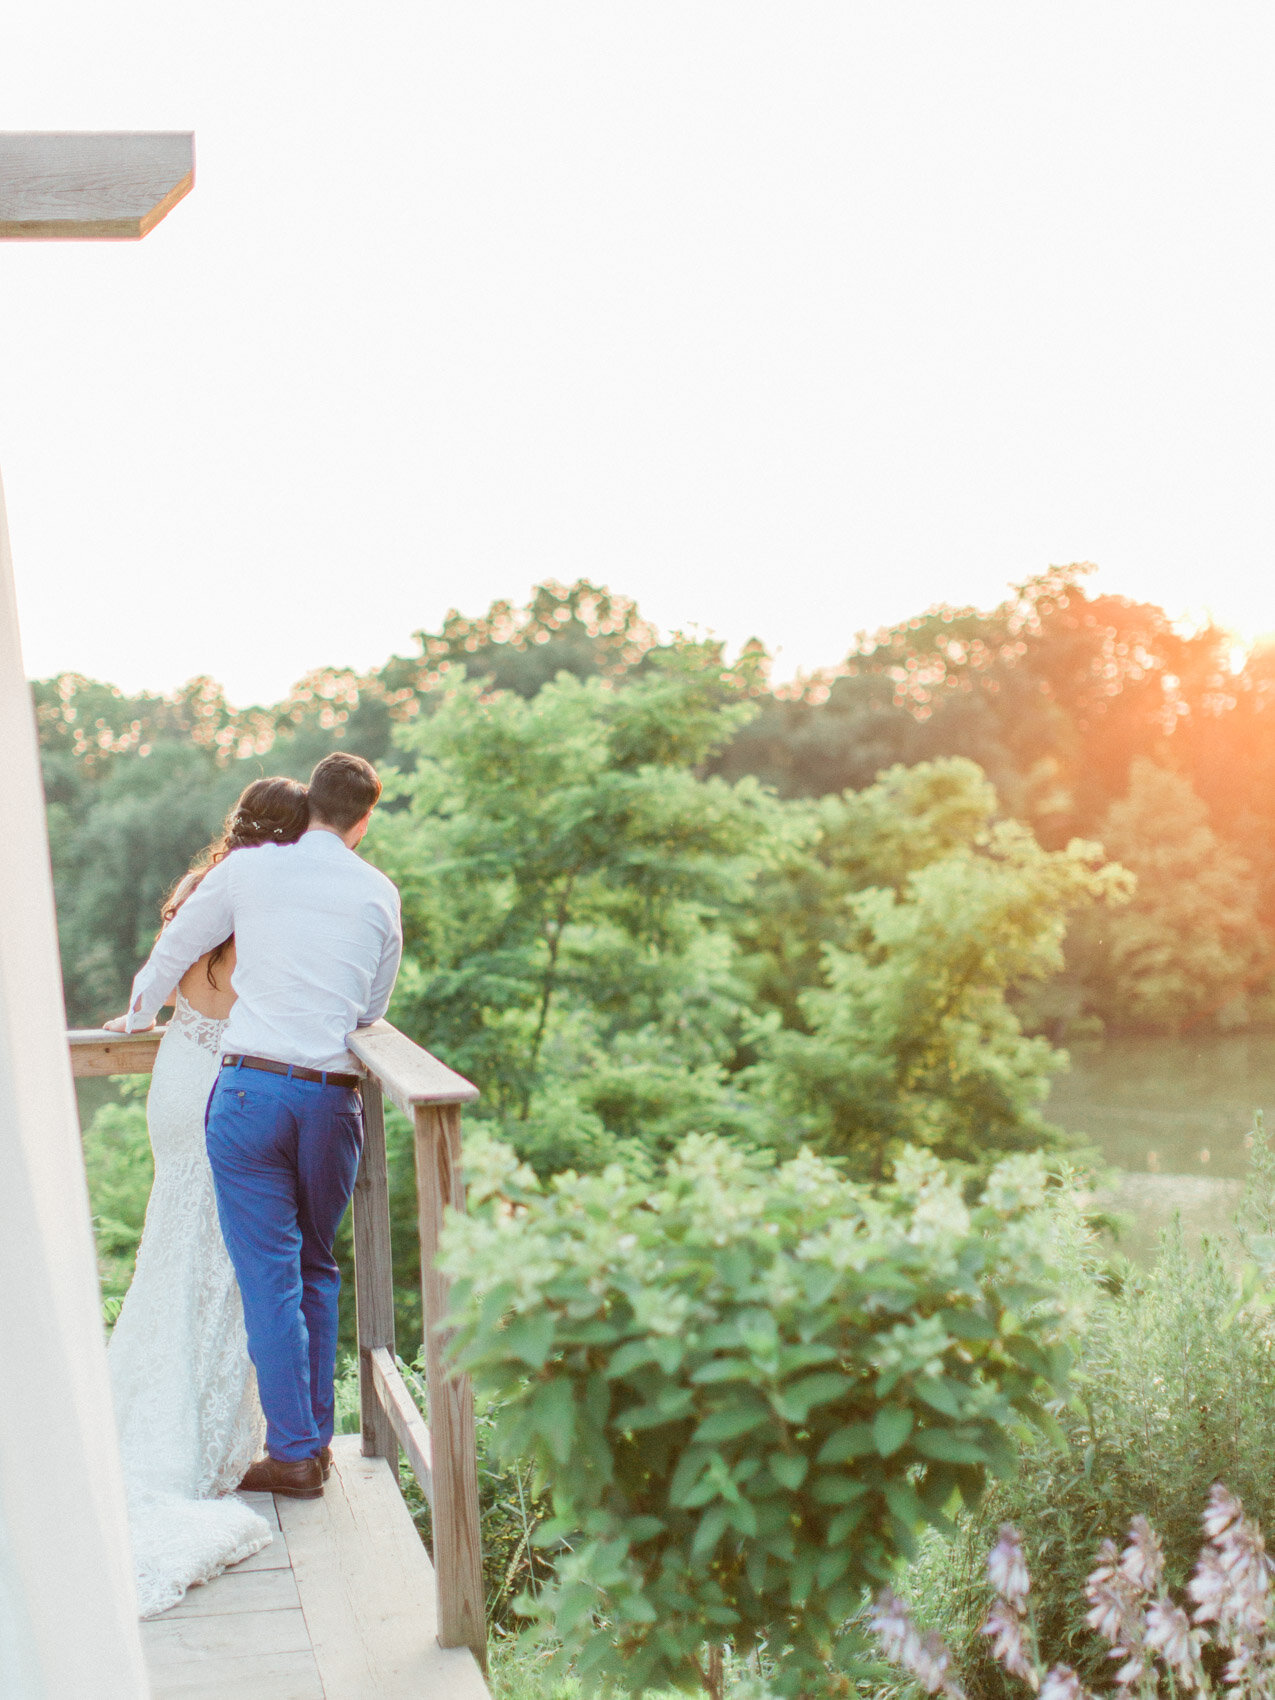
749	1387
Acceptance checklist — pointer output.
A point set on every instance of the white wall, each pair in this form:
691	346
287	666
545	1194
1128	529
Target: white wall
67	1608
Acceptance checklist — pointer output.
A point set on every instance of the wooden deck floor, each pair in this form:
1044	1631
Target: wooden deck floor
340	1606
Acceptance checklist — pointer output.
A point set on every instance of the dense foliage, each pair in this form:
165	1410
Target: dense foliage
619	945
568	883
747	1387
1056	695
117	1163
1192	934
907	1032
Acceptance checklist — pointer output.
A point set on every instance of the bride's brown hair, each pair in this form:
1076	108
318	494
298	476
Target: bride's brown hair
269	811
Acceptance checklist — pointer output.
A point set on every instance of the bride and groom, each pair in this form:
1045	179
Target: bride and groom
228	1333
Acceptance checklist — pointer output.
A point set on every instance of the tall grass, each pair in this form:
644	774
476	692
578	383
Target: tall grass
1174	1390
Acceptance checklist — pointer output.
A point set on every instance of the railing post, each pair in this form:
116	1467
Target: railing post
457	1544
373	1273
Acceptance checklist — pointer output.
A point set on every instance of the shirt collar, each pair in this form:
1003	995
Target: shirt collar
324	843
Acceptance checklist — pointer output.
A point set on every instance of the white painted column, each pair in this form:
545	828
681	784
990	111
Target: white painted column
68	1616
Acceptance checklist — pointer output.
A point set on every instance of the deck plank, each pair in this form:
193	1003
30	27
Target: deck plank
172	1640
364	1627
273	1557
263	1504
239	1590
367	1590
276	1676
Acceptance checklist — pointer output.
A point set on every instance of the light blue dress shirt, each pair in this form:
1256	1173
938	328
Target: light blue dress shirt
317	940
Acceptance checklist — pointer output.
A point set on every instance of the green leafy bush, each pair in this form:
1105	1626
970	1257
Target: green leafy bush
748	1387
117	1163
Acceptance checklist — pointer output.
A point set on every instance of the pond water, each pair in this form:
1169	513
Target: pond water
1172	1115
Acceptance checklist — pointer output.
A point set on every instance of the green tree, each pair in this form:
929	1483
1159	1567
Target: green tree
909	1035
117	849
583	629
1054	694
823	853
565	874
1190	944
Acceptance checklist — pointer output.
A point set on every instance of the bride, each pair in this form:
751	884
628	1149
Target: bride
185	1391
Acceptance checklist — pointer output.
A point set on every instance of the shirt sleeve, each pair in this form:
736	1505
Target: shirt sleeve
204	920
387	971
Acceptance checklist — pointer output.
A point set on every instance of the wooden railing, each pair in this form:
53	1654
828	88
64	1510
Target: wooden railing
442	1456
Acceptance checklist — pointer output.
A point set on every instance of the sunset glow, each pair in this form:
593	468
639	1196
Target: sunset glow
785	325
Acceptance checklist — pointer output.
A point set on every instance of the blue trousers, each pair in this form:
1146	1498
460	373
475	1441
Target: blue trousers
284	1154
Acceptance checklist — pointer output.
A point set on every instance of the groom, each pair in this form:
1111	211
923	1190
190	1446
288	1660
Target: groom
318	939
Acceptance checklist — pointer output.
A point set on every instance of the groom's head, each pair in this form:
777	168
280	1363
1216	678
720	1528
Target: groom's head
343	793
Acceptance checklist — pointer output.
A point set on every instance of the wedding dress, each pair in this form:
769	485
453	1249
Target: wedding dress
184	1388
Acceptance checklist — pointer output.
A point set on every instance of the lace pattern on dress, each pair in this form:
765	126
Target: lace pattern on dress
185	1393
205	1030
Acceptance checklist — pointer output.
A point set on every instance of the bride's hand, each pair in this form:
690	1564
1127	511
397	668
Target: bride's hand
119	1024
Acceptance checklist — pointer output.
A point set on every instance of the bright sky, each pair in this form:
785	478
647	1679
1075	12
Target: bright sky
786	319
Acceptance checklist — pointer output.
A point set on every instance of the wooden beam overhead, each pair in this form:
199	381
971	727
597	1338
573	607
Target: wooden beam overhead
91	186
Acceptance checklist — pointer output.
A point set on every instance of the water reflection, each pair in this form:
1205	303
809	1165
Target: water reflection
1175	1115
1169	1106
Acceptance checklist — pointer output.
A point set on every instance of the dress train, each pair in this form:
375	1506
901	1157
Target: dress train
184	1388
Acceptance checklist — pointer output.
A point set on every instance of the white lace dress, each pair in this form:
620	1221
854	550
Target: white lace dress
185	1390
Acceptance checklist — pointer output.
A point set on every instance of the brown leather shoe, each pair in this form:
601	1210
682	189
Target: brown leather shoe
299	1478
325	1462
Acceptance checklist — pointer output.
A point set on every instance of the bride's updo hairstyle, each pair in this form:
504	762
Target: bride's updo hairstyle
269	811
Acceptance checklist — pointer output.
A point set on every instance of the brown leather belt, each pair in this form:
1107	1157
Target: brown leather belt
294	1070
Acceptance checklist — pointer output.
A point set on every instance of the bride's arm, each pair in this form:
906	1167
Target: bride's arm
119	1023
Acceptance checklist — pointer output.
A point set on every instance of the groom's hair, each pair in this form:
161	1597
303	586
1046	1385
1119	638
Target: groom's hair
342	790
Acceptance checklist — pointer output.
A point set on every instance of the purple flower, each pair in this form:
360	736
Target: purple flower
1062	1683
1222	1512
1142	1560
1009	1648
930	1667
1115	1601
923	1656
1169	1633
1232	1582
1132	1669
1209	1587
893	1627
1007	1568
